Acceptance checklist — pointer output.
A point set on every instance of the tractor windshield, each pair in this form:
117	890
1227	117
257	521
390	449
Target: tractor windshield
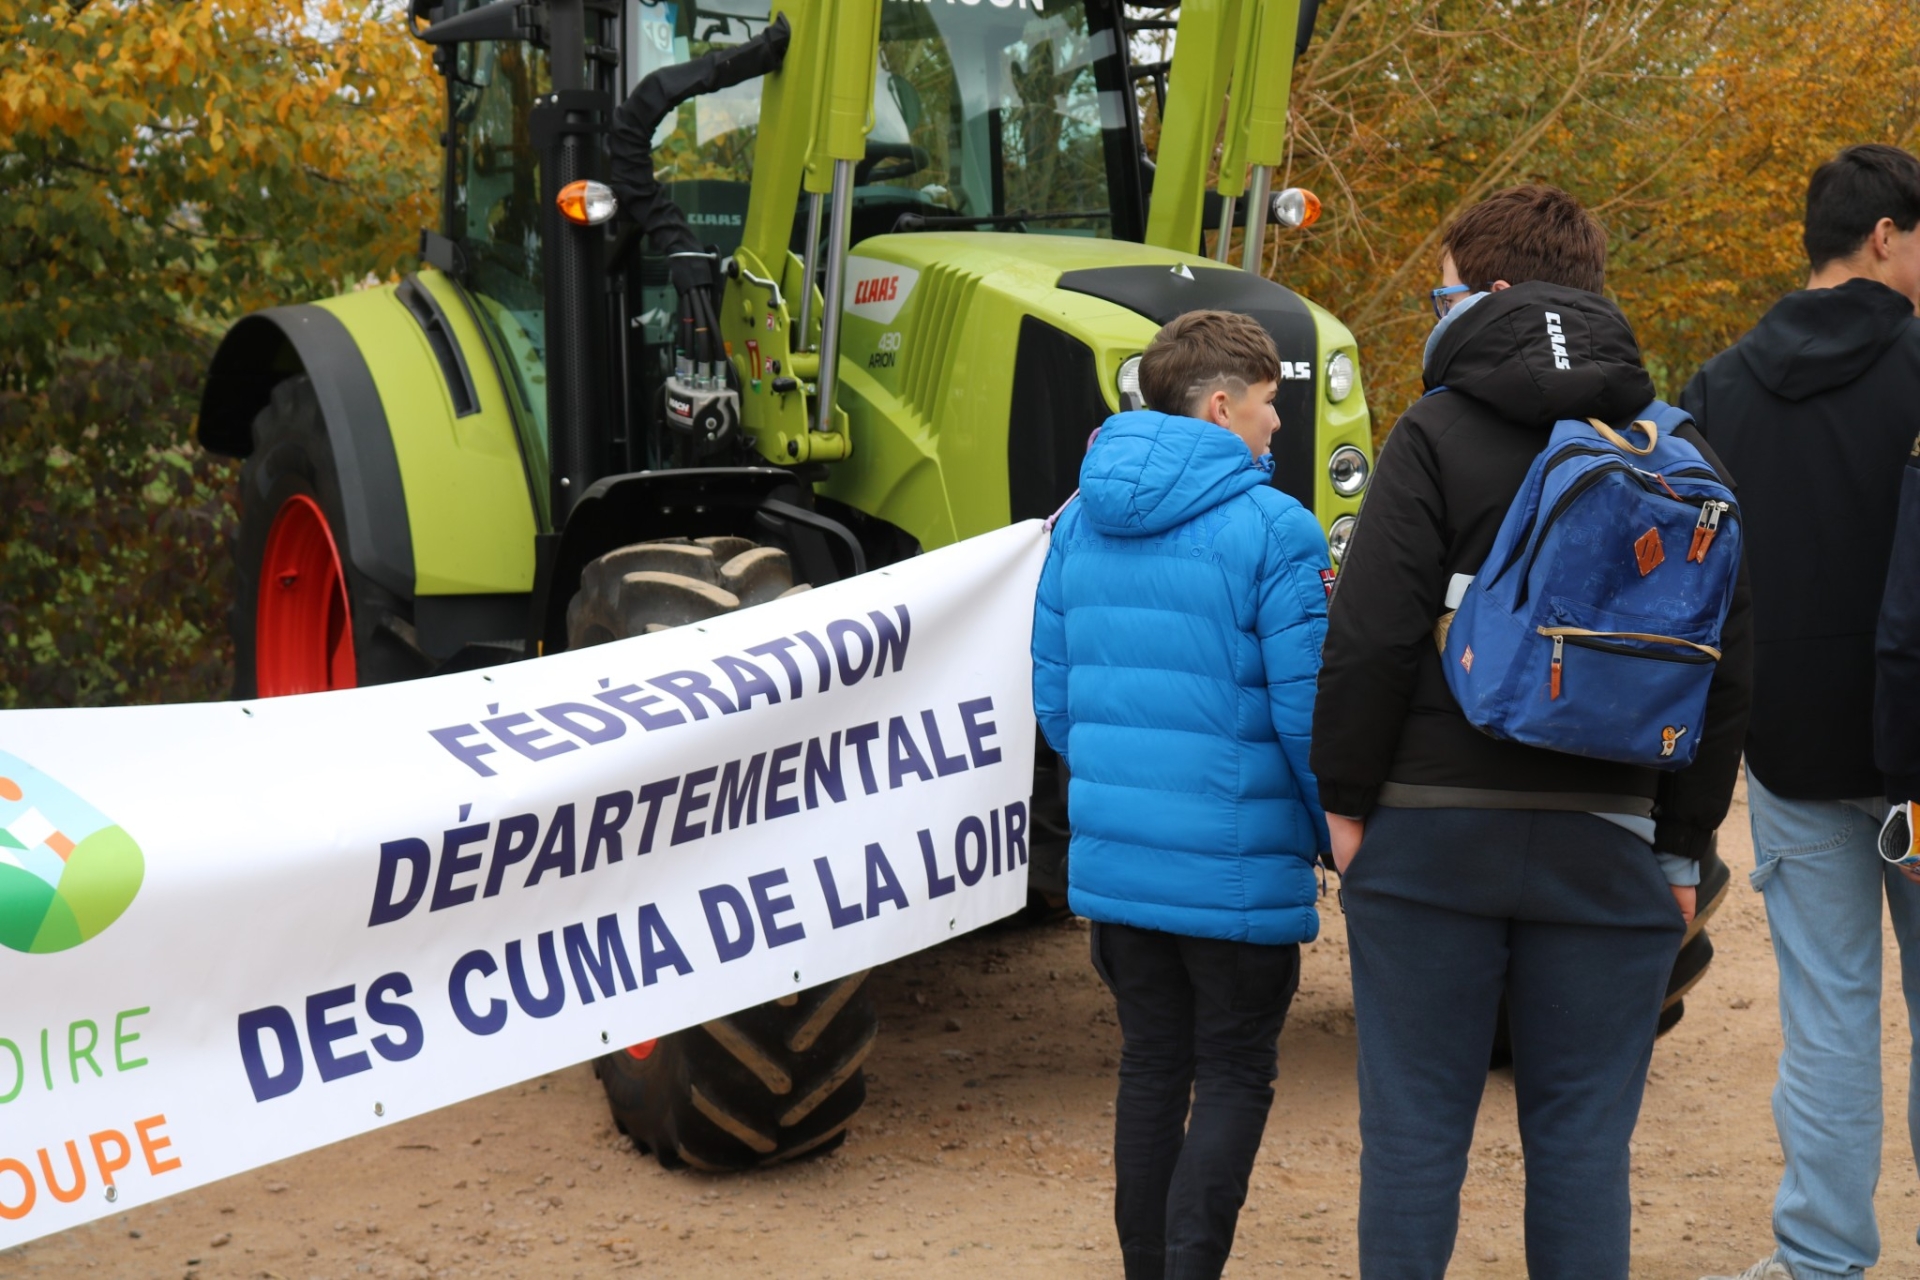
982	109
985	112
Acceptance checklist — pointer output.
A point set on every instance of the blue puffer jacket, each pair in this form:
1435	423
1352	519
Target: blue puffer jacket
1176	639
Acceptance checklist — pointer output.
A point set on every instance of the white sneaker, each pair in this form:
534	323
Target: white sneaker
1768	1268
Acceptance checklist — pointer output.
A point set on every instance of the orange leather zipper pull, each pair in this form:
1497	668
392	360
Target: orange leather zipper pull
1553	678
1704	531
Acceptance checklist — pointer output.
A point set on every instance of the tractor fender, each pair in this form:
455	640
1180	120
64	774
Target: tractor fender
269	346
439	466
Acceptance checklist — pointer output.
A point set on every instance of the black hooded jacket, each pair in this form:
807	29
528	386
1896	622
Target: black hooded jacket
1386	729
1814	412
1897	693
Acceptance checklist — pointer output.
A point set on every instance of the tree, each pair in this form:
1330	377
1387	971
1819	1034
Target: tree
165	168
1688	127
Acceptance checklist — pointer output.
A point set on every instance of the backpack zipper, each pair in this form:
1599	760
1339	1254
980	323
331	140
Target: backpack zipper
1598	474
1706	528
1592	640
1582	638
1592	451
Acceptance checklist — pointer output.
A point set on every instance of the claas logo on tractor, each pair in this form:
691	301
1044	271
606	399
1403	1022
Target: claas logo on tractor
878	289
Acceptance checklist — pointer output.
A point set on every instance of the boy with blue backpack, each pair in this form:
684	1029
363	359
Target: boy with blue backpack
1530	712
1176	633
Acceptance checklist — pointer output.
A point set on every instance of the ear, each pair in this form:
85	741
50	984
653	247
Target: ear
1218	406
1497	286
1881	238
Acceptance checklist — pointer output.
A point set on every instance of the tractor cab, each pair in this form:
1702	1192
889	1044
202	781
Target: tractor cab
1016	117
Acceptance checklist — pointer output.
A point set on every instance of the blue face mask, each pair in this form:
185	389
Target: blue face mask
1440	325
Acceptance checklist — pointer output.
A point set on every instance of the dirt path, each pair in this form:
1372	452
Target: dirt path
984	1151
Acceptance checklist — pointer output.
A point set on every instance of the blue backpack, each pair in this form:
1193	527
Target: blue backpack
1594	626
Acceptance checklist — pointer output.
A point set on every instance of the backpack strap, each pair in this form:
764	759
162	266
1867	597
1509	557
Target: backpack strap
1647	426
1656	419
1669	417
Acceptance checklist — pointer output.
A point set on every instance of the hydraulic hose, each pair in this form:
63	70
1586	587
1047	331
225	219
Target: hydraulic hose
642	198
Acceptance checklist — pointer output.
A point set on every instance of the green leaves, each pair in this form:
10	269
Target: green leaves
113	539
165	169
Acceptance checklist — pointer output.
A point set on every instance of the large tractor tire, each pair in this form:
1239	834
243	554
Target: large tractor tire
762	1086
304	619
769	1083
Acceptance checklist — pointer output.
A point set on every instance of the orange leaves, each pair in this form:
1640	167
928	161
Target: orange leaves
172	166
1689	126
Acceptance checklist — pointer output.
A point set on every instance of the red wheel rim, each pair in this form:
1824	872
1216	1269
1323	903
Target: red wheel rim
303	632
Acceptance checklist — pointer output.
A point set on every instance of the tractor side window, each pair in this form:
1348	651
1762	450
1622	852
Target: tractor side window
703	150
702	155
494	202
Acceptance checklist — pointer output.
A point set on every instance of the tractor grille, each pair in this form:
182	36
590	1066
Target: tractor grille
1057	403
944	294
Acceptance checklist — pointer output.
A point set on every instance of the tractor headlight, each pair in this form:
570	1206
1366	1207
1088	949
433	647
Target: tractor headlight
1340	537
1339	377
1127	383
1347	471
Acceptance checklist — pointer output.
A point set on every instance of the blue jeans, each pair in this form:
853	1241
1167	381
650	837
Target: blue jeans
1822	879
1570	918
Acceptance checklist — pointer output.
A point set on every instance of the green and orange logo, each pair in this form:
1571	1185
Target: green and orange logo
67	871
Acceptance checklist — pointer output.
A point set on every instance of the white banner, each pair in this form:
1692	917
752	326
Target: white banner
231	932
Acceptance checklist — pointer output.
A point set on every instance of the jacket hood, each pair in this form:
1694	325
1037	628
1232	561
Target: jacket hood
1818	339
1539	352
1148	472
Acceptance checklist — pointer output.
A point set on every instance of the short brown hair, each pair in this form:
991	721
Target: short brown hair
1201	348
1529	232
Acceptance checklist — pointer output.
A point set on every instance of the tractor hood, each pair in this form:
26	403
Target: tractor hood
946	332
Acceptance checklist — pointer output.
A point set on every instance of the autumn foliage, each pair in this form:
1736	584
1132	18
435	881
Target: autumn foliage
1689	126
167	167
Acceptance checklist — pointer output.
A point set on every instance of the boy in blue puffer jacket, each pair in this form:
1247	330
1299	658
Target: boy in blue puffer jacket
1176	641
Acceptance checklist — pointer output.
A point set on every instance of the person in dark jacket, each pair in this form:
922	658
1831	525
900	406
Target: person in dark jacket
1814	412
1896	714
1472	867
1176	634
1896	697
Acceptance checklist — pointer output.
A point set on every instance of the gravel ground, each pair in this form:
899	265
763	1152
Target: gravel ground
984	1150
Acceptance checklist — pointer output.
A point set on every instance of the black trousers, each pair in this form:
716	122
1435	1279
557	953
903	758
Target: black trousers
1199	1020
1571	919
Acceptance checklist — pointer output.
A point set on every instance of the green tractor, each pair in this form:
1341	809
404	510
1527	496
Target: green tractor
726	302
